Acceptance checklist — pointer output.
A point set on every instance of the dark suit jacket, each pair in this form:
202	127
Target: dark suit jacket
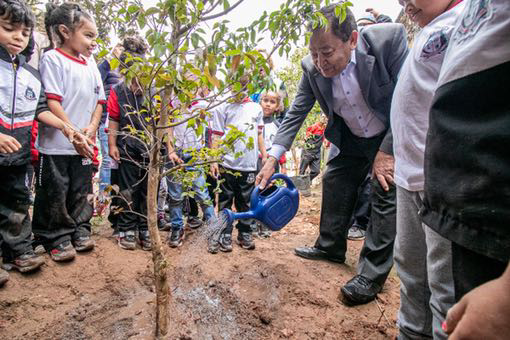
380	53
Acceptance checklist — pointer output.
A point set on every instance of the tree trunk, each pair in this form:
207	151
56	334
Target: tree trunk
160	263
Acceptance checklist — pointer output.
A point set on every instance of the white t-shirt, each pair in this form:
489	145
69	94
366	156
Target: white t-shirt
270	130
484	27
413	97
77	84
247	118
185	137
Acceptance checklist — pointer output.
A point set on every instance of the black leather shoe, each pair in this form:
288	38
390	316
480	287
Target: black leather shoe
359	290
314	253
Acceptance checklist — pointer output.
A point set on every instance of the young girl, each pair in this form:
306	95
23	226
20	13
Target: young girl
63	205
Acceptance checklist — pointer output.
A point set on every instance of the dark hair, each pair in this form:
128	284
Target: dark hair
341	30
134	46
17	12
68	14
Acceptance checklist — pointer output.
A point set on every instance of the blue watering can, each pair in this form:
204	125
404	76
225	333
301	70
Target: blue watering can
274	207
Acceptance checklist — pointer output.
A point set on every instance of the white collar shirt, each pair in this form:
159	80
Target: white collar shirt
350	104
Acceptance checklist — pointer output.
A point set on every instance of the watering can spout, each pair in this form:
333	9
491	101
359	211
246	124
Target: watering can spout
244	215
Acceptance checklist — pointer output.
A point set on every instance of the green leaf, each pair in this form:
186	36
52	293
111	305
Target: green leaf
230	53
151	11
133	9
226	5
114	63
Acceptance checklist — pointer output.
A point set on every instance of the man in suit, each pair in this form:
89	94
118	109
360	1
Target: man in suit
352	75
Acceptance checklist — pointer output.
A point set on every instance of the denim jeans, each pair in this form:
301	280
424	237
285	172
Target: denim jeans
175	200
104	170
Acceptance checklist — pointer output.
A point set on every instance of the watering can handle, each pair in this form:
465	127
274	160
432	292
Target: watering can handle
256	191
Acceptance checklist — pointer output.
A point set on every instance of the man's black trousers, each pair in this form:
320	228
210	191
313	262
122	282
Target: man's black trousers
340	185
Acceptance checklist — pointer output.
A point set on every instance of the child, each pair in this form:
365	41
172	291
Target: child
131	154
467	170
246	116
311	155
271	104
420	254
63	205
181	140
16	26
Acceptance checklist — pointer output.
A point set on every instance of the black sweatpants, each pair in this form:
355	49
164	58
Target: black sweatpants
133	192
15	227
237	190
116	201
64	201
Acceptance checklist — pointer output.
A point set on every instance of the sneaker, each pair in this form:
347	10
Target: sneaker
27	262
263	231
39	250
63	252
145	239
245	240
176	237
127	240
163	223
213	246
194	222
356	234
84	243
4	277
226	242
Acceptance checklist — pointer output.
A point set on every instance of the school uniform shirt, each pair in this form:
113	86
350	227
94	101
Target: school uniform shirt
413	96
186	137
467	162
247	118
270	130
76	84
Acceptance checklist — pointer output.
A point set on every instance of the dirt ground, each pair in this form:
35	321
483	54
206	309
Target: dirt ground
268	293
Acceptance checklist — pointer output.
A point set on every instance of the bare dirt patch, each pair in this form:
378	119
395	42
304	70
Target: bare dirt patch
268	293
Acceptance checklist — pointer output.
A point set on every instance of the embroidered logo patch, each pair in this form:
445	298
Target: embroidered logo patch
86	161
478	12
437	44
30	94
251	178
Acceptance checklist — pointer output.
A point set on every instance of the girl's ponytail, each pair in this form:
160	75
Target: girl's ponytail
48	24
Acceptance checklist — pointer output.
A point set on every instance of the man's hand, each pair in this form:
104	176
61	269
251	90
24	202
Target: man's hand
8	144
483	313
215	170
114	153
174	158
266	172
384	165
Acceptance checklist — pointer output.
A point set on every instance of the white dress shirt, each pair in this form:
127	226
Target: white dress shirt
349	103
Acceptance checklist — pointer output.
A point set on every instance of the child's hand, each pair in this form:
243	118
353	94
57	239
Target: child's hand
90	131
83	145
114	153
215	170
8	144
174	158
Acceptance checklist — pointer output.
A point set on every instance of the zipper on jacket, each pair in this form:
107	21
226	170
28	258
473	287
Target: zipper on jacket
14	96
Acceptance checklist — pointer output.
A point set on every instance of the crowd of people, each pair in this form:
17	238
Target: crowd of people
417	165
